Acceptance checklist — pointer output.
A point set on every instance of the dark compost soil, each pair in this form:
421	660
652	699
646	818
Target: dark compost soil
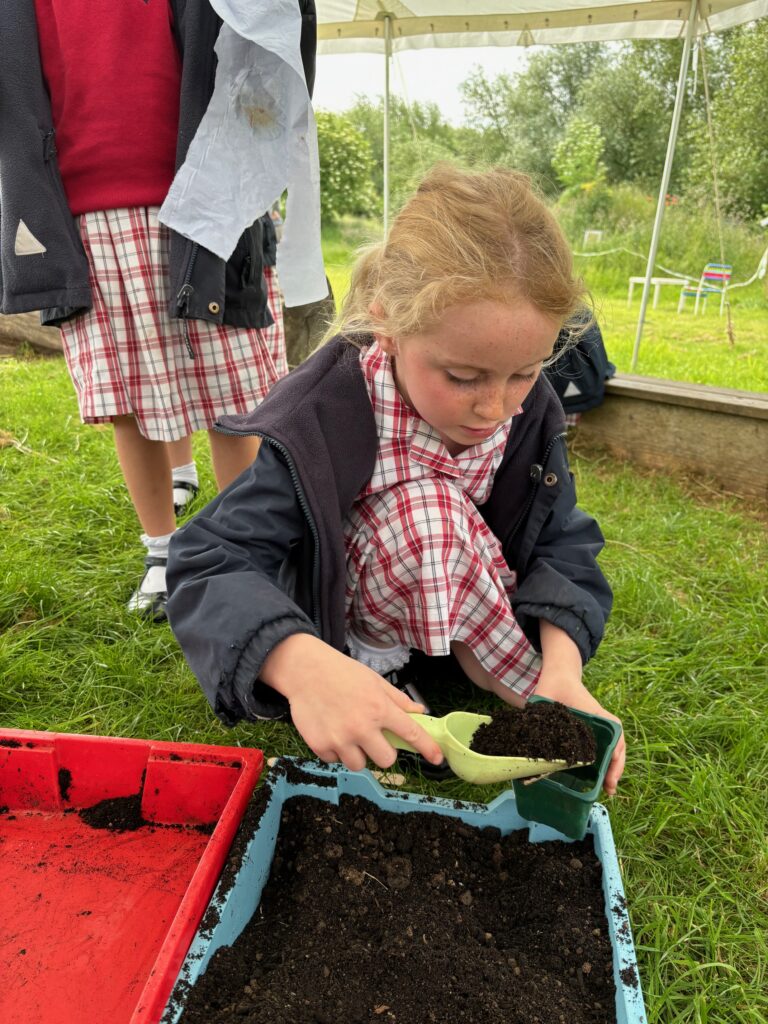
546	731
417	918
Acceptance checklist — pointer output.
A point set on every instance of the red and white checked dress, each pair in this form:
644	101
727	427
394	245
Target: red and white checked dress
127	357
423	568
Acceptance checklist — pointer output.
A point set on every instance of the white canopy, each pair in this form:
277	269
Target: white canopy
355	26
387	26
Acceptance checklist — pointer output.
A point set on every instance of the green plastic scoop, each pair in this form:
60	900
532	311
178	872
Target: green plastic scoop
453	734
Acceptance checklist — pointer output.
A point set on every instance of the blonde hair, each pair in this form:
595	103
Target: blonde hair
463	236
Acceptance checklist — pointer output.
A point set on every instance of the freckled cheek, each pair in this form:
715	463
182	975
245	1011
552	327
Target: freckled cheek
518	394
444	400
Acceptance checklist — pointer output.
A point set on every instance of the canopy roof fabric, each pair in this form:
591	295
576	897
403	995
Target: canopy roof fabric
355	26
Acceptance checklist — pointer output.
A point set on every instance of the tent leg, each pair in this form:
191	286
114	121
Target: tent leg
677	112
387	59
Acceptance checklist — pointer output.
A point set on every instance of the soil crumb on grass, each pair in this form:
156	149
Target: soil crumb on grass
370	916
547	731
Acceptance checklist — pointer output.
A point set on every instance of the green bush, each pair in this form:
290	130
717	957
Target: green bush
577	154
346	169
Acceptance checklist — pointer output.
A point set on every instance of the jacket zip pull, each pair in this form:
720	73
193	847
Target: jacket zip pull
182	303
49	145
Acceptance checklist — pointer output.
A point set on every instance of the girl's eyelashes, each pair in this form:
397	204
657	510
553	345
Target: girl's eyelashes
461	381
469	381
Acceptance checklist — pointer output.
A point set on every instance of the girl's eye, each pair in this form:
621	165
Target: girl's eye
461	381
526	376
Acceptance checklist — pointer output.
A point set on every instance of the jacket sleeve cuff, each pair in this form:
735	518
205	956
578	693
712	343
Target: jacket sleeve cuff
256	700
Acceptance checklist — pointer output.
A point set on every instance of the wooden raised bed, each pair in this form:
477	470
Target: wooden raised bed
695	429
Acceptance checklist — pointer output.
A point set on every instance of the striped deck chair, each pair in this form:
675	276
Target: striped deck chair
713	281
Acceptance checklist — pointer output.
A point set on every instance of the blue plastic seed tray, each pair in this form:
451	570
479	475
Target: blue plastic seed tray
235	903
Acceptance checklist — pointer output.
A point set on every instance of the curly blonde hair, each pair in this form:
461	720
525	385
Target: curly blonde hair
463	236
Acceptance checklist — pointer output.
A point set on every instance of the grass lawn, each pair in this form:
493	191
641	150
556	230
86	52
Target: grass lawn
684	663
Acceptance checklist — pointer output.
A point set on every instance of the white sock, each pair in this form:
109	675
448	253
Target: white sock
183	475
154	581
380	659
186	474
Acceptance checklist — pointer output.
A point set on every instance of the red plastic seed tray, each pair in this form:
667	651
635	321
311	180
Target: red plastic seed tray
97	909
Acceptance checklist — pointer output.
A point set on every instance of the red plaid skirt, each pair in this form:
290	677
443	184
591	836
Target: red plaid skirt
127	357
423	569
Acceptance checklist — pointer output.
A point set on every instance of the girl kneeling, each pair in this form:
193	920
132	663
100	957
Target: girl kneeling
411	491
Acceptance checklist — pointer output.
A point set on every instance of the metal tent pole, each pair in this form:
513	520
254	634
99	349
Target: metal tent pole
678	110
387	57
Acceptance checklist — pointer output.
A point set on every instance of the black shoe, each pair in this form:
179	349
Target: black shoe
150	603
407	757
180	507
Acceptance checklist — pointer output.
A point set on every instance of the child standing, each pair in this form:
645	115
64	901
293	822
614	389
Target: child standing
411	491
100	102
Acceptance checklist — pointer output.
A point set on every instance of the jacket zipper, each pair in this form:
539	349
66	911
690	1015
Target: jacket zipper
534	492
303	505
182	299
49	153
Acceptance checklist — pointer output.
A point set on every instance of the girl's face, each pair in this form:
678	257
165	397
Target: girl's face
470	374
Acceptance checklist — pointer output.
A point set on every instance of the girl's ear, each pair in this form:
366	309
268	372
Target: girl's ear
387	343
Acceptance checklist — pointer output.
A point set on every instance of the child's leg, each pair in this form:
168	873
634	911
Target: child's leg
180	452
481	677
184	473
147	473
231	455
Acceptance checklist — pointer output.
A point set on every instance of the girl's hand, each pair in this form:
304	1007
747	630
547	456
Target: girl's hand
561	680
574	693
340	706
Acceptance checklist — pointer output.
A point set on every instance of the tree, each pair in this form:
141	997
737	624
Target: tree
633	113
418	135
346	168
521	118
577	154
739	118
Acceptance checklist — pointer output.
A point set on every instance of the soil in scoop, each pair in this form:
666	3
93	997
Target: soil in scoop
546	731
418	919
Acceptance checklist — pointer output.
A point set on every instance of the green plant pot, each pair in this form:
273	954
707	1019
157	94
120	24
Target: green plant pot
564	800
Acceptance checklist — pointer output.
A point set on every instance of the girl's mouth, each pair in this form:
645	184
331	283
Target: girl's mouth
480	431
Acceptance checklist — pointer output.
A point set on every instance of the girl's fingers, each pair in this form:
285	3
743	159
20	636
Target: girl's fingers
380	750
407	728
352	757
616	767
402	700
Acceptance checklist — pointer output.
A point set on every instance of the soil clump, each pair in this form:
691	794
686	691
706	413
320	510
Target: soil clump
538	730
370	916
119	814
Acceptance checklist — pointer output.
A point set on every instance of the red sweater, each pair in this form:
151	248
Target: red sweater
114	76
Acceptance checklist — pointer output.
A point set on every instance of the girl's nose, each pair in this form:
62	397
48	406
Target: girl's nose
496	405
